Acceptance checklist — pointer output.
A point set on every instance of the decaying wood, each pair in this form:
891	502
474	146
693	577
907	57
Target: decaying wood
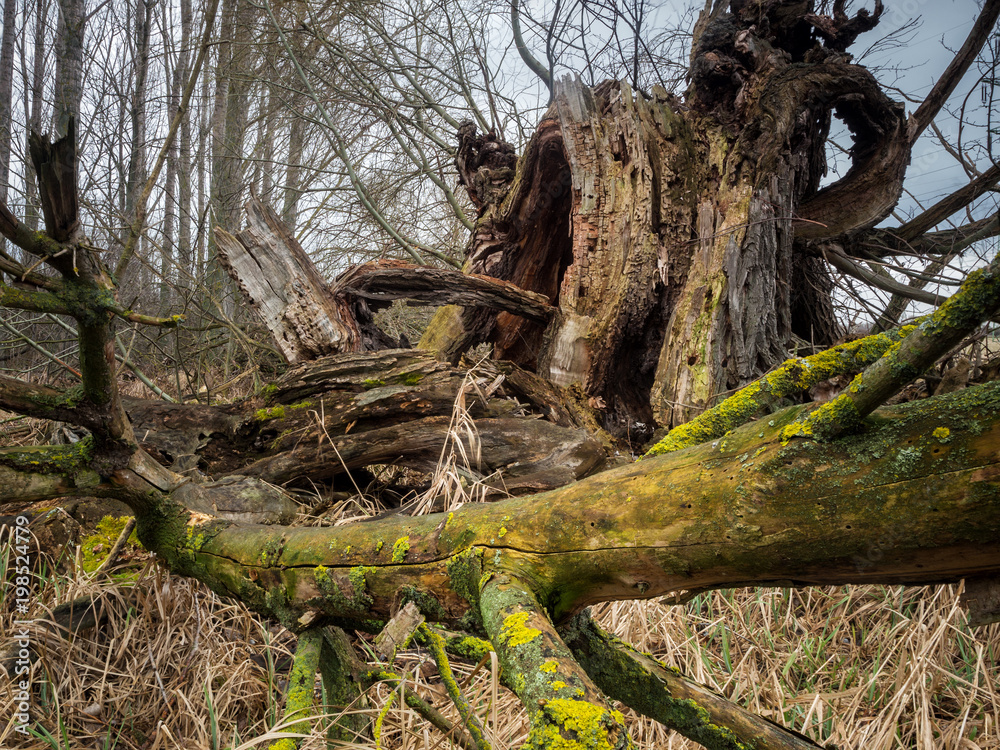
340	413
285	288
914	499
647	250
389	280
671	235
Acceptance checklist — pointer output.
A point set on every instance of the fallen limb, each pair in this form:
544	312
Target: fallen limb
664	694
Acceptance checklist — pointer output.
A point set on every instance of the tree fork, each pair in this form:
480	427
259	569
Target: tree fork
564	706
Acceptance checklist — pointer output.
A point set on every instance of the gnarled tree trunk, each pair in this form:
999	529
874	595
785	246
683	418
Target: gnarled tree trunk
670	234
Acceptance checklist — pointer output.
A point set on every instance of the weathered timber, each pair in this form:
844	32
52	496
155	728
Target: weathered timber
336	414
389	280
284	287
913	499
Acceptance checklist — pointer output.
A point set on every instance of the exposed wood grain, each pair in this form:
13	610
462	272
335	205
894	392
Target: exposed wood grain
284	287
389	280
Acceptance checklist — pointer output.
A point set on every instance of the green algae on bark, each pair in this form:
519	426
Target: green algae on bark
761	396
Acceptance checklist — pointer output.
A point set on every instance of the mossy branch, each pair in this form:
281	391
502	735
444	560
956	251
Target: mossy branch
565	708
667	696
762	396
48	471
977	300
301	682
34	300
436	644
344	687
31	241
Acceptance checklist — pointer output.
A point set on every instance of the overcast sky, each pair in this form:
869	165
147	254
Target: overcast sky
932	173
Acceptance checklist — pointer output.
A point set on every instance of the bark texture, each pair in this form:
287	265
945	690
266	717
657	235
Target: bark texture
671	234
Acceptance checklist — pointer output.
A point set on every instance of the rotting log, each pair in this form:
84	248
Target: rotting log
912	499
331	416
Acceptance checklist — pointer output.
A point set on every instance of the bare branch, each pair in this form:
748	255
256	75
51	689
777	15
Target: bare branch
522	49
949	205
36	243
938	95
836	257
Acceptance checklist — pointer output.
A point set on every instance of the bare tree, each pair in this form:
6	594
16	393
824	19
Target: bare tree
642	257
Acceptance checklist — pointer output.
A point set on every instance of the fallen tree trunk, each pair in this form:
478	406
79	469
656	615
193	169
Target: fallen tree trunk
915	499
327	418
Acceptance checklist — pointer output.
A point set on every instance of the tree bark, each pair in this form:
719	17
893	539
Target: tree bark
6	89
670	234
69	64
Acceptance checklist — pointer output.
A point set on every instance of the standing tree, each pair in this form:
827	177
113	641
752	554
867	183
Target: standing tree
642	256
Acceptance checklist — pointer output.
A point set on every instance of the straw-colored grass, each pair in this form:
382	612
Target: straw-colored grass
174	666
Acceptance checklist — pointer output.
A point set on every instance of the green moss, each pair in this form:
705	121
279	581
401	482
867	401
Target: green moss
464	572
383	712
400	548
620	674
428	605
514	631
268	391
792	377
358	576
69	460
95	548
354	603
301	681
272	412
372	383
411	378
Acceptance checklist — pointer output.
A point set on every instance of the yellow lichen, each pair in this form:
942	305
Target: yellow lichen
400	548
942	433
515	633
573	725
549	666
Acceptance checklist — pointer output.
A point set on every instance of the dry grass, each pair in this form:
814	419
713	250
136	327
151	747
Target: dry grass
870	667
176	667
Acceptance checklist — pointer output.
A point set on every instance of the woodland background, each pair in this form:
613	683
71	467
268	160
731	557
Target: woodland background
343	117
